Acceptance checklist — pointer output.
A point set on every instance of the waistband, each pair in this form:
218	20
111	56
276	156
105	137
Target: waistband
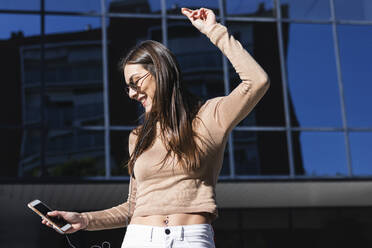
153	233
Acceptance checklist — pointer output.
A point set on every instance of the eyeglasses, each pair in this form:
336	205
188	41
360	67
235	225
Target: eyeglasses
134	85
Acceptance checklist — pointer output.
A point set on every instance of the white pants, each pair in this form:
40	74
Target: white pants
187	236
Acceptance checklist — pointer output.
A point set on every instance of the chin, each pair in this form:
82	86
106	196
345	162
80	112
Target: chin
147	109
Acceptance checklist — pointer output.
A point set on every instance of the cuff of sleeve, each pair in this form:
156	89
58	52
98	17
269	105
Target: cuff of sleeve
216	32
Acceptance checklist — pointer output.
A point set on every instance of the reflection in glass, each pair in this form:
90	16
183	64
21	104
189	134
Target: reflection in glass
174	6
73	5
19	5
68	24
73	72
260	40
201	63
29	153
18	66
353	10
75	153
360	147
73	79
18	26
355	55
119	152
123	34
31	106
323	153
250	8
261	153
125	6
305	9
312	76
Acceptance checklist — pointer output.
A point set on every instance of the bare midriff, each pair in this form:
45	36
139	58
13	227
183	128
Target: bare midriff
173	219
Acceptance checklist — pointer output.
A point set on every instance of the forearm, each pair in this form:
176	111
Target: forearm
244	64
115	217
239	103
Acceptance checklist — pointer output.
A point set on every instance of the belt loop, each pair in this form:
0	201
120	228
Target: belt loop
181	233
151	231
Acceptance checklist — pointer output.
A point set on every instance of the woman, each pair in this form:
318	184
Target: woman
177	153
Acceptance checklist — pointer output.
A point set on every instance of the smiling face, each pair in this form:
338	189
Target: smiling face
146	85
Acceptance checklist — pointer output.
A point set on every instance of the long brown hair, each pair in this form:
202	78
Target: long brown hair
173	107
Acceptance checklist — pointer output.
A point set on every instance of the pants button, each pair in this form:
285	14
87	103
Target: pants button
167	231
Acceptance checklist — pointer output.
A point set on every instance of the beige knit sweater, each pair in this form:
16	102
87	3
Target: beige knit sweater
172	190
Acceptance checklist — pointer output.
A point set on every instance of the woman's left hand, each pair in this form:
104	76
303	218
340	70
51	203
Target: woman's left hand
203	19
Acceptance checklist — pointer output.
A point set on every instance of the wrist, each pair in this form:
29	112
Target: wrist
84	220
208	29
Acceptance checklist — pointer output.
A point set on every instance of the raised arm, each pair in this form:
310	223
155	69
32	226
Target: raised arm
118	216
232	109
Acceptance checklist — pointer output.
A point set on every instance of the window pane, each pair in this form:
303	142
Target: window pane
18	67
353	10
305	9
174	6
69	26
201	63
73	71
251	151
262	8
356	53
29	153
260	40
312	76
31	107
360	147
119	152
73	5
123	110
75	153
120	6
18	27
19	5
322	154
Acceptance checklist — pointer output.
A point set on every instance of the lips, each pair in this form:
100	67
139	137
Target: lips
142	100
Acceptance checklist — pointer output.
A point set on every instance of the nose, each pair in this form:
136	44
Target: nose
132	93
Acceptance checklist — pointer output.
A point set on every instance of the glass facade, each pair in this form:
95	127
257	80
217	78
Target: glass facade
64	112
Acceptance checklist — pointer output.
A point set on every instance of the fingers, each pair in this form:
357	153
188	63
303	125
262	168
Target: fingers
54	213
187	12
193	14
45	222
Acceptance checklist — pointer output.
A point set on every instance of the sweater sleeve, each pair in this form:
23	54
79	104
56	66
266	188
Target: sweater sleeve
115	217
118	216
230	110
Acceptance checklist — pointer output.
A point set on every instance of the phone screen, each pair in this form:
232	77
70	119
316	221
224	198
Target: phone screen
43	209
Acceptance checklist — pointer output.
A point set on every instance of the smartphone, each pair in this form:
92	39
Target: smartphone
59	224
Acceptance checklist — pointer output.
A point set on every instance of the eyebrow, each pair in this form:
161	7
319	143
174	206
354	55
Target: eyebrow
131	77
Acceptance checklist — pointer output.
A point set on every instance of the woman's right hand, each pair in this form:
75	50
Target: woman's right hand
203	19
76	220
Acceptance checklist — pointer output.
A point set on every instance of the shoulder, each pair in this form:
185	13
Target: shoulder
209	106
